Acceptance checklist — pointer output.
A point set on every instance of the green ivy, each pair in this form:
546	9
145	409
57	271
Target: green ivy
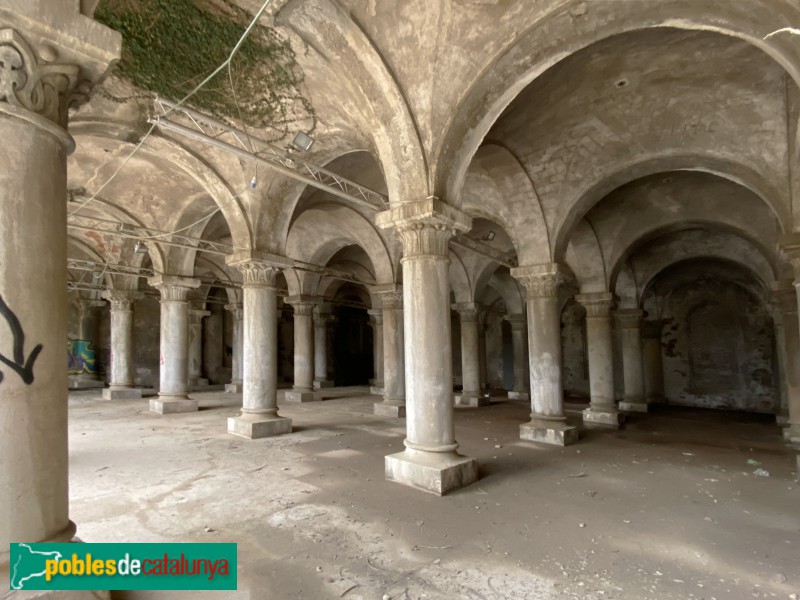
169	46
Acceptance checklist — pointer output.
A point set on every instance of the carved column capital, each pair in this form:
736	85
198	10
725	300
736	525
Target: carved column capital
122	299
467	311
303	305
541	281
50	55
236	310
173	288
196	316
597	304
256	273
629	318
392	300
424	227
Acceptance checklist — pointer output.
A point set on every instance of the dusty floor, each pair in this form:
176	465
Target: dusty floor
666	508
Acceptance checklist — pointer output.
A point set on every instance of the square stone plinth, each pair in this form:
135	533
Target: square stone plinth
471	400
435	472
555	433
322	384
234	388
639	407
395	411
376	391
167	406
602	418
782	420
253	427
301	396
791	435
512	395
122	394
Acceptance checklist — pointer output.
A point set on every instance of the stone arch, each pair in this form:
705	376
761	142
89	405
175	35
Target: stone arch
460	284
620	175
585	257
569	27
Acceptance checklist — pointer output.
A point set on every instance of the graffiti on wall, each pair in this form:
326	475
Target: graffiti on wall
20	365
81	358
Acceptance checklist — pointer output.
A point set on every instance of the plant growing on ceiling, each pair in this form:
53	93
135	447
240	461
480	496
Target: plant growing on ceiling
169	46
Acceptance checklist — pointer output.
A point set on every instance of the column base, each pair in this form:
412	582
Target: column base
76	383
254	426
234	388
471	399
791	435
513	395
435	472
121	393
639	407
302	396
322	383
170	404
384	409
595	417
782	420
376	391
555	433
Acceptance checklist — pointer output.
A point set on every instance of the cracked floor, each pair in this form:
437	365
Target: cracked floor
666	508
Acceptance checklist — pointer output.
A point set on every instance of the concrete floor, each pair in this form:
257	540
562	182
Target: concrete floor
666	508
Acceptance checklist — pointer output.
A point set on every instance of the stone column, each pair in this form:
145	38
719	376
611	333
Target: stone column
470	357
430	461
121	384
630	322
519	391
196	347
235	386
789	354
48	52
394	383
174	360
484	380
259	417
322	319
376	322
303	390
652	362
548	421
790	247
603	410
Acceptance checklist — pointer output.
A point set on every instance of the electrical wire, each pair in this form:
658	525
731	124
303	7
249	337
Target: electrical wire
196	89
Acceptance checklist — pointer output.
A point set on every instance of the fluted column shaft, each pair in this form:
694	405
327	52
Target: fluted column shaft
518	328
303	390
394	384
470	357
121	383
376	322
196	345
789	349
237	366
322	319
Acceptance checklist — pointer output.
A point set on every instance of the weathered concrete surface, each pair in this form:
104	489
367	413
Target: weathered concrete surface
332	522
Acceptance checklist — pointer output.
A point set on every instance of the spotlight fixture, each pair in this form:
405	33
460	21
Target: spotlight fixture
140	248
302	142
488	237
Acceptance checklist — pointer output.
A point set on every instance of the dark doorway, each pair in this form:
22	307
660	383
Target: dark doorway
352	347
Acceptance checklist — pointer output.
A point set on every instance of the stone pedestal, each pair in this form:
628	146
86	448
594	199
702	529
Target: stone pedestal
376	322
174	381
259	417
394	382
430	461
322	320
49	51
548	421
518	328
630	323
472	395
303	390
235	386
602	410
121	385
